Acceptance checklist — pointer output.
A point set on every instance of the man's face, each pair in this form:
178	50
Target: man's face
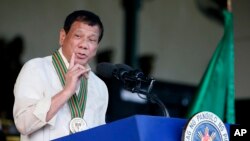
82	40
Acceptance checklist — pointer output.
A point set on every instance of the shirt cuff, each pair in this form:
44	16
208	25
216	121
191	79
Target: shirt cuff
41	110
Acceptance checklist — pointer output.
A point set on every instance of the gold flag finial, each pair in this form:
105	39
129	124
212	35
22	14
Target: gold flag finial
229	5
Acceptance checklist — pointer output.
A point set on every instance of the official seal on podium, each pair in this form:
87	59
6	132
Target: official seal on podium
205	126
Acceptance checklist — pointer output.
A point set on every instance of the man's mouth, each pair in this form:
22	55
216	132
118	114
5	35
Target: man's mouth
81	56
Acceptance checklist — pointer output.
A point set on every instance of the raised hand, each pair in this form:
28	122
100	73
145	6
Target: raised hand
73	75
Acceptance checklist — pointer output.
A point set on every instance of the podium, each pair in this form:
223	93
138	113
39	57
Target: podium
134	128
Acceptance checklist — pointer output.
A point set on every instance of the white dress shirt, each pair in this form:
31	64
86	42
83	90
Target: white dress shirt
36	84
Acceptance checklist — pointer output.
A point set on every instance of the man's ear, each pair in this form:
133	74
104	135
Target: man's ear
62	36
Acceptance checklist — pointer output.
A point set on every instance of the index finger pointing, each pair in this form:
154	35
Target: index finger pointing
72	61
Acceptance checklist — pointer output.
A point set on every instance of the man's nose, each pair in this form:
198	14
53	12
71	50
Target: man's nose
84	44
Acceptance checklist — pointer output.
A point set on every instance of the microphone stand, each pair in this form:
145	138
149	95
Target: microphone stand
147	91
155	99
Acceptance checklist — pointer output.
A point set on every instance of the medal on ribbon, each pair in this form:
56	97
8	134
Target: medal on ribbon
76	103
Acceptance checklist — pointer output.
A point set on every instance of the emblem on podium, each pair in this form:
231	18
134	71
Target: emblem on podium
205	126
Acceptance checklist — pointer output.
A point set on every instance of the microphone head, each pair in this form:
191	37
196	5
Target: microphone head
105	69
123	67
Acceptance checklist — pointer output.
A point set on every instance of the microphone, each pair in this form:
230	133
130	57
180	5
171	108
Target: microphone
133	79
105	69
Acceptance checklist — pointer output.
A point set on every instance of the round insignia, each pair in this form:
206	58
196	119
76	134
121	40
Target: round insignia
77	124
205	126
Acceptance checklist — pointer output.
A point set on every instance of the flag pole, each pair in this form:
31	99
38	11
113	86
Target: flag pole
229	5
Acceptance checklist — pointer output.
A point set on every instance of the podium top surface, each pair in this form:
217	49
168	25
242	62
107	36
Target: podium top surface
134	128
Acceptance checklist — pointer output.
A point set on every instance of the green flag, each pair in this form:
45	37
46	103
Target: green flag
216	90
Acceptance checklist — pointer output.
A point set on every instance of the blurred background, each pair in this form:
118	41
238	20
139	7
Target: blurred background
170	40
